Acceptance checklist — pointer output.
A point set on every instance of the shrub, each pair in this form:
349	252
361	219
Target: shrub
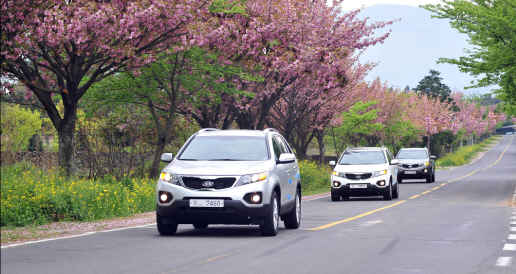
314	179
463	155
34	196
18	126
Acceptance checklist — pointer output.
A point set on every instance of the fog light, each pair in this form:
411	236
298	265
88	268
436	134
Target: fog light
426	170
256	198
336	184
381	183
253	198
165	197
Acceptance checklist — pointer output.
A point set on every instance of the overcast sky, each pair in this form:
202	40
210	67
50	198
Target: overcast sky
353	4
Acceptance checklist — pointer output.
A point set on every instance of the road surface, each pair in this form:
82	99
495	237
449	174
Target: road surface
463	223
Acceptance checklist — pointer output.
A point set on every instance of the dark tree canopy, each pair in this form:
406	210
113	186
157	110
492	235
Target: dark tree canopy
433	86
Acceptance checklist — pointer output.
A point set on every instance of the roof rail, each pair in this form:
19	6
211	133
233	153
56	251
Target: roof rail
270	129
207	129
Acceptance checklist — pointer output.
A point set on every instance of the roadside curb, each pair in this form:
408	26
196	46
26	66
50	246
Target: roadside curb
315	196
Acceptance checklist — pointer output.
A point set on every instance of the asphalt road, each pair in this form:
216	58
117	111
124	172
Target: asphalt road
460	224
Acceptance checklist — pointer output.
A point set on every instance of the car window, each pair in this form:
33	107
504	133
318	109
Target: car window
226	148
412	154
277	147
362	157
285	143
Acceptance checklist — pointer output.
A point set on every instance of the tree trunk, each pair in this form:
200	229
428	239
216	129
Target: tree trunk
320	140
160	147
65	132
428	143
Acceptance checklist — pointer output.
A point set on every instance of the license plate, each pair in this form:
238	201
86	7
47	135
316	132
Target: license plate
358	186
410	172
206	203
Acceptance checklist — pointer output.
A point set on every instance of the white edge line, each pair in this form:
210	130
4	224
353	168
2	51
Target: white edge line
503	261
316	198
74	236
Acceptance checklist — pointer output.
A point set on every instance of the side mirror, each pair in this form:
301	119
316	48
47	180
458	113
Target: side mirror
286	158
167	157
433	157
395	161
332	163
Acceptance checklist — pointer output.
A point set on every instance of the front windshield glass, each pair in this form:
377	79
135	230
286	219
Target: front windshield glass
361	157
412	154
226	148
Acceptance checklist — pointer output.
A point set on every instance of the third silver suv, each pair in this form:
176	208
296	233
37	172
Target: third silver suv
230	177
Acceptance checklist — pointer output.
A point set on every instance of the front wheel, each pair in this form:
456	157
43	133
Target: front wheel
166	226
433	177
396	192
388	193
293	219
271	221
335	197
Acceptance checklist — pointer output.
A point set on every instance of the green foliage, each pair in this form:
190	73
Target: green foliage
314	179
34	196
464	154
18	126
399	134
432	86
491	27
356	124
228	7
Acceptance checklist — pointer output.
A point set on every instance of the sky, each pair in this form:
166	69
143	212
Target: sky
354	4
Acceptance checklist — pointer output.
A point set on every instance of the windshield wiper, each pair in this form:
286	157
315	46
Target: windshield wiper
225	159
189	159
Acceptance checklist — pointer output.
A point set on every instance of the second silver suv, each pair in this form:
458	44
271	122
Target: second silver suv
230	177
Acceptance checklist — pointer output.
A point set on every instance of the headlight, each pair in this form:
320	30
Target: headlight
170	178
379	173
339	174
427	163
251	178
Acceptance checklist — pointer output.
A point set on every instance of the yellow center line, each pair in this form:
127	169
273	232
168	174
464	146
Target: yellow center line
209	260
357	216
411	197
414	196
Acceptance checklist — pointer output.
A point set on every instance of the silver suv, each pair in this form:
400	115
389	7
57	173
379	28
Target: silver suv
365	171
230	177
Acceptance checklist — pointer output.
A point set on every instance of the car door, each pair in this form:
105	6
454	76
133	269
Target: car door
393	168
292	172
282	170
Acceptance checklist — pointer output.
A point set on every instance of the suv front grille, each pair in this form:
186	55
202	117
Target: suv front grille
358	176
199	183
410	166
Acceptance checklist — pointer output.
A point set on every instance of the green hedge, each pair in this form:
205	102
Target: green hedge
33	196
314	179
464	154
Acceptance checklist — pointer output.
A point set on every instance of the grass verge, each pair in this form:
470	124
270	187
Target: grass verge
465	154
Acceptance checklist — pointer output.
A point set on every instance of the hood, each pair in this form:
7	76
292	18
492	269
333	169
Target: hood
360	168
217	168
412	161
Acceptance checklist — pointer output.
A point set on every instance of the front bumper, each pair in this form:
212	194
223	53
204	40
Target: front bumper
233	212
373	188
236	209
420	173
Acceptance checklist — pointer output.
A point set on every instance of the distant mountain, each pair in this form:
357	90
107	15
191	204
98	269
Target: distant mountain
415	44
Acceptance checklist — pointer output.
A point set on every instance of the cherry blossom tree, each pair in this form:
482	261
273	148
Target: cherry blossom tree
62	47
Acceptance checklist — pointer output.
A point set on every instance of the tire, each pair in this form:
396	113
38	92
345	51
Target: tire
433	177
396	192
271	221
200	226
429	179
166	226
335	197
292	220
388	193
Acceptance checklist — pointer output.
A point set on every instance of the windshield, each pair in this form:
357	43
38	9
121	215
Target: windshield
362	158
226	148
412	154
